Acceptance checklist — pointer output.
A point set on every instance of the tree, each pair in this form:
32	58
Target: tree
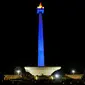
83	78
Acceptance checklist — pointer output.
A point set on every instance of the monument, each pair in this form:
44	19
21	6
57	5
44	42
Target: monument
40	11
41	69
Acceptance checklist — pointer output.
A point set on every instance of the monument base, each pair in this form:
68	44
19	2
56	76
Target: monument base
41	70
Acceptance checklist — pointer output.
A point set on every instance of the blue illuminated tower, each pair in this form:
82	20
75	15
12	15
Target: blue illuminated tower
41	69
40	11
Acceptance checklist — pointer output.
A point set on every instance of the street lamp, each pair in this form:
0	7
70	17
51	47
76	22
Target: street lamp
73	71
57	76
18	72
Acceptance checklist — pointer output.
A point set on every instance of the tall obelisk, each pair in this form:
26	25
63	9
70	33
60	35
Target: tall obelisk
40	11
41	69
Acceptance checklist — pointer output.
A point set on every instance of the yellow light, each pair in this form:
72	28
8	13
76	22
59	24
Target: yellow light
52	77
40	6
36	78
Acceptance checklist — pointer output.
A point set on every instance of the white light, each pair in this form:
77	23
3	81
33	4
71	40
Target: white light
57	75
18	71
73	71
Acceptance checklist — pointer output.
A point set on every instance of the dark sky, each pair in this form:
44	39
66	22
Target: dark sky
63	33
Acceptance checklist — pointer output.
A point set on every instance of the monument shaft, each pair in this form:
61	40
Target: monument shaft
40	11
40	42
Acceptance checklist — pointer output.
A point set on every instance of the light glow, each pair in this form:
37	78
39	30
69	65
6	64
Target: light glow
40	5
57	75
73	71
52	77
36	77
18	72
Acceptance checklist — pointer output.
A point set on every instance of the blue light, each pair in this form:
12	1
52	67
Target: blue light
40	42
40	10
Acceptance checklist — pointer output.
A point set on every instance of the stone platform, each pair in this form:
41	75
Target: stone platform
41	70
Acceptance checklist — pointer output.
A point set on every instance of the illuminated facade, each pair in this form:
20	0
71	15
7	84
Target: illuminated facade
41	70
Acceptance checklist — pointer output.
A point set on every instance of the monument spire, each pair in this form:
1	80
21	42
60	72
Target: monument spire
40	11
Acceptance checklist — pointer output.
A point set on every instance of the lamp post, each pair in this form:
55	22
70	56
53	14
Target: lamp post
18	72
73	71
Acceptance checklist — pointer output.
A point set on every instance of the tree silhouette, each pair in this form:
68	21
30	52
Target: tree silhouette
83	78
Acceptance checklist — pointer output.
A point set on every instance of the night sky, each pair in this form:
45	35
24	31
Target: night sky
64	25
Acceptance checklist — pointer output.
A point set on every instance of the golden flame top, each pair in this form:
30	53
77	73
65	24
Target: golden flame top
40	5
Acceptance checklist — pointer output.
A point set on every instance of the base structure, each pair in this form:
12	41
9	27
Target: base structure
41	70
